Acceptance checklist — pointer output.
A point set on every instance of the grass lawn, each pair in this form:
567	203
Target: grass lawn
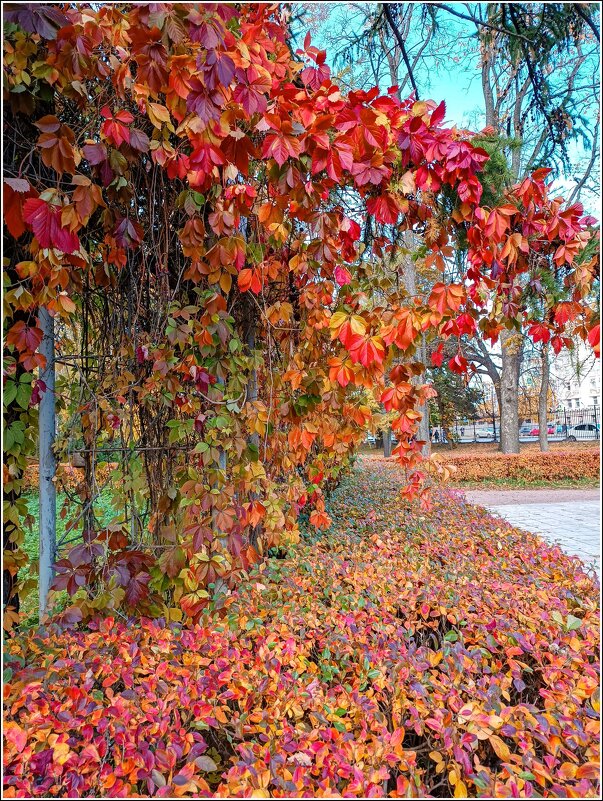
517	484
105	514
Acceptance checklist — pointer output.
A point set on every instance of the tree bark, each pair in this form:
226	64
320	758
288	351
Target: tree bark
387	442
543	396
509	391
487	87
423	430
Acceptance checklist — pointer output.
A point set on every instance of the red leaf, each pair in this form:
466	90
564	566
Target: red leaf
24	337
250	279
45	221
16	192
342	276
438	114
437	357
137	589
384	207
594	339
539	332
458	364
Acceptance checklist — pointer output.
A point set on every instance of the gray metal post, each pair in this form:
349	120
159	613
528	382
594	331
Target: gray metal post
47	429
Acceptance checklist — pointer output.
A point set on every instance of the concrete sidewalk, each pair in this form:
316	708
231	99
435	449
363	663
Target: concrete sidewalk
567	517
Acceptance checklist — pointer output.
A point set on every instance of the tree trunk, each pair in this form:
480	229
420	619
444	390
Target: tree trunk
509	391
423	430
387	442
543	396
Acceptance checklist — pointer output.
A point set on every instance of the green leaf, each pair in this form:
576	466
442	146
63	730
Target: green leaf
23	395
10	393
206	764
451	636
573	623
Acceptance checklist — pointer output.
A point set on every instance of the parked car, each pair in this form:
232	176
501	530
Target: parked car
583	431
526	430
371	440
535	431
485	434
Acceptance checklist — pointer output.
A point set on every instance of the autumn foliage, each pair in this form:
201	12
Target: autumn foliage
68	477
404	654
231	217
529	466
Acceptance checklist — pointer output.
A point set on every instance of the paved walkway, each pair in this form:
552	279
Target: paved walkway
571	518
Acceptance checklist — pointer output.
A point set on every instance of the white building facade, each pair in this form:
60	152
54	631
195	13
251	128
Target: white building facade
576	379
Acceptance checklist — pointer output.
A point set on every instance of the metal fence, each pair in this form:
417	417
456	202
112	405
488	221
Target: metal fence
570	425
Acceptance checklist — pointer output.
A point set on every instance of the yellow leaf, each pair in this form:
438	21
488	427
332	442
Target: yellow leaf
158	114
419	108
501	749
337	320
357	324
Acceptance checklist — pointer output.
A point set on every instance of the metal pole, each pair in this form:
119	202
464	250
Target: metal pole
493	415
596	423
48	466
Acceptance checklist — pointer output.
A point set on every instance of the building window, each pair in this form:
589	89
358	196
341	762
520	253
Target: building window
569	404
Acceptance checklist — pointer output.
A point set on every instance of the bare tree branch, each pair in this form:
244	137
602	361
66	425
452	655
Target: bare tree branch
580	185
400	40
581	13
481	24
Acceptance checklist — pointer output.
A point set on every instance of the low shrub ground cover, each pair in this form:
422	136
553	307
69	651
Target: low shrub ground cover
68	478
403	654
531	467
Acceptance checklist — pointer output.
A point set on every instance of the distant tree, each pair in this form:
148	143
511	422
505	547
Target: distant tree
456	400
